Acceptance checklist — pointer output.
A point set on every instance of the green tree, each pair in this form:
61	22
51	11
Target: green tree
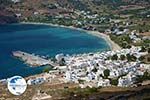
146	76
122	57
131	57
128	46
128	57
148	50
140	30
127	39
114	82
106	73
143	49
114	57
141	58
123	44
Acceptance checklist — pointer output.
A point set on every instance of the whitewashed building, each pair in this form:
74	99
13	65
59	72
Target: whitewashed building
104	82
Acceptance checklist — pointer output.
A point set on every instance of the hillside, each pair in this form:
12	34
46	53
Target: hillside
25	9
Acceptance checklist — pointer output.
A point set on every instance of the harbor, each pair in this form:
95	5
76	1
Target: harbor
33	60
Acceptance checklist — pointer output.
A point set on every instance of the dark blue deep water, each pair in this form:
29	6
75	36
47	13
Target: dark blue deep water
42	40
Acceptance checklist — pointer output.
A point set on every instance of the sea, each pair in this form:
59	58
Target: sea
43	40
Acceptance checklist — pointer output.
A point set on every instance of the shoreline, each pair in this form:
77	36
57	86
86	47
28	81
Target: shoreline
113	46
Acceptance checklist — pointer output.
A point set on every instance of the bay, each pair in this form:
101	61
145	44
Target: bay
41	40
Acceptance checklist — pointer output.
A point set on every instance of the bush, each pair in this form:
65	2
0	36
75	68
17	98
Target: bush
92	90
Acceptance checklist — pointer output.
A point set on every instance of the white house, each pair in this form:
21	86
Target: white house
68	76
114	73
36	81
15	1
126	80
59	57
91	76
103	82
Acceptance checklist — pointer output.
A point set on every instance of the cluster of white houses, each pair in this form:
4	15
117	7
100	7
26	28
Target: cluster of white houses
88	69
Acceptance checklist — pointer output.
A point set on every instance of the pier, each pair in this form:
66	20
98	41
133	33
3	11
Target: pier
33	60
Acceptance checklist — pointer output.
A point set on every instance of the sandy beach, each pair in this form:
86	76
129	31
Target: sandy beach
112	44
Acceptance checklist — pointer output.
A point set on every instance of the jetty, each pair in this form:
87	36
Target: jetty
33	60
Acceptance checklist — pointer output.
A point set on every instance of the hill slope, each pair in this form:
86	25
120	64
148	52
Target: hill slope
54	7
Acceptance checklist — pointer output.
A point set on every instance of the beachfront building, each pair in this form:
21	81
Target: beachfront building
104	82
59	57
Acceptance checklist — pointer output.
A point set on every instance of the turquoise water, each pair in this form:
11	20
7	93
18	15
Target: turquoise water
41	40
